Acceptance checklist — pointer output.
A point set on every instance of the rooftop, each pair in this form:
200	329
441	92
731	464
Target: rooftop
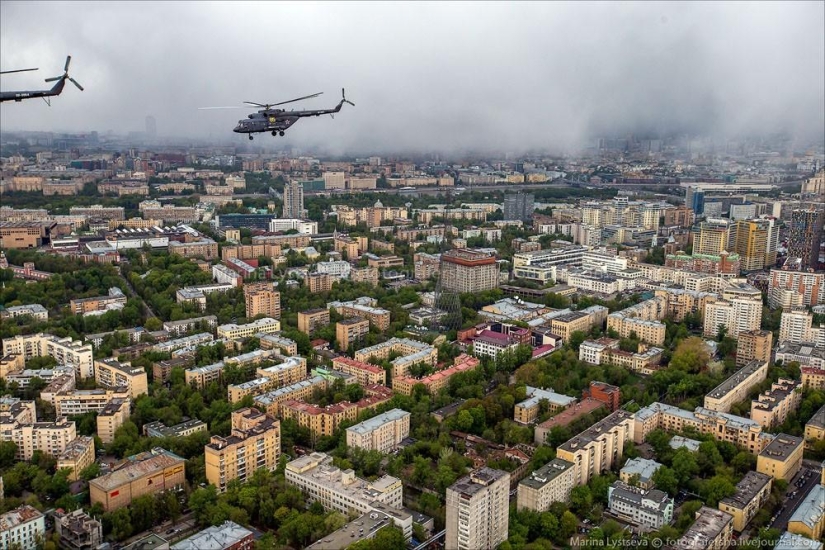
747	489
642	467
546	473
219	537
596	431
18	516
709	523
792	541
818	419
737	378
479	479
535	395
568	415
782	447
270	397
652	499
318	466
361	528
136	467
812	508
677	442
376	422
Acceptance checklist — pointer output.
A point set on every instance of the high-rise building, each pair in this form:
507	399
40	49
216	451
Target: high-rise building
293	201
737	315
695	200
518	206
805	238
468	271
478	510
753	344
262	299
749	239
255	442
712	238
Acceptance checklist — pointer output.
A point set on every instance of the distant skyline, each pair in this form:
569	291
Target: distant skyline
424	76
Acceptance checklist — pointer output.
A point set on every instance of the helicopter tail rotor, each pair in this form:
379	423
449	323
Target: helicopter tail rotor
344	98
65	75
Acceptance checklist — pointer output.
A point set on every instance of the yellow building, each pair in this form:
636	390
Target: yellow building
749	239
600	446
312	319
351	331
712	530
711	239
77	455
782	458
11	363
773	407
319	282
111	374
809	518
737	387
254	443
302	390
815	428
381	433
751	494
231	331
74	402
262	299
291	370
365	373
436	381
146	473
111	417
320	421
754	345
551	483
643	319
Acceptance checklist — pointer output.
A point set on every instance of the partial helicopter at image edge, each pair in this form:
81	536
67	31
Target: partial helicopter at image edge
31	94
277	121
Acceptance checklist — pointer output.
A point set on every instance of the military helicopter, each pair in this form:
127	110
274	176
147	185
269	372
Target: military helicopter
29	94
278	121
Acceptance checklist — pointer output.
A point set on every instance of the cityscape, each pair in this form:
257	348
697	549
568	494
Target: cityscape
335	334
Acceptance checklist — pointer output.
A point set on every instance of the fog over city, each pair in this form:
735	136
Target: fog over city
424	76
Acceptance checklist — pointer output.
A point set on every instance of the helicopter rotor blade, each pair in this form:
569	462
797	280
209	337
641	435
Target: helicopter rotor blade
210	108
54	78
68	60
76	84
298	99
18	71
265	106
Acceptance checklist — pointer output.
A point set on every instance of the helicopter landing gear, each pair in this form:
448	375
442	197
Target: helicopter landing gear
282	134
274	133
250	137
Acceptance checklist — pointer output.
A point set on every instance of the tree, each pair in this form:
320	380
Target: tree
684	465
568	525
90	472
120	523
581	499
666	480
691	355
8	450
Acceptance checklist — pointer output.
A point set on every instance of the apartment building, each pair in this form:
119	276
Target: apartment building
737	387
782	458
465	270
723	426
809	517
95	304
262	299
639	472
147	473
527	411
351	332
565	418
231	331
278	343
737	316
312	319
319	282
610	395
111	417
363	307
35	311
299	391
478	510
606	351
203	247
82	401
598	447
365	373
64	350
681	302
566	324
321	421
112	374
815	427
184	429
184	326
753	345
712	530
813	378
796	326
170	346
438	380
381	433
643	319
254	443
789	288
338	489
551	483
413	352
77	455
203	376
23	528
291	370
364	275
226	536
648	508
772	407
751	495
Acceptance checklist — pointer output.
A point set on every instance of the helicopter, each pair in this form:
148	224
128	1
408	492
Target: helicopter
29	94
278	121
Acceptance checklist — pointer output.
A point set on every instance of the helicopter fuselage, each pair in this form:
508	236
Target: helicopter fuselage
277	120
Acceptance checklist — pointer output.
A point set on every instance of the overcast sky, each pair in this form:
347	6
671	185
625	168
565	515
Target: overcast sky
424	76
